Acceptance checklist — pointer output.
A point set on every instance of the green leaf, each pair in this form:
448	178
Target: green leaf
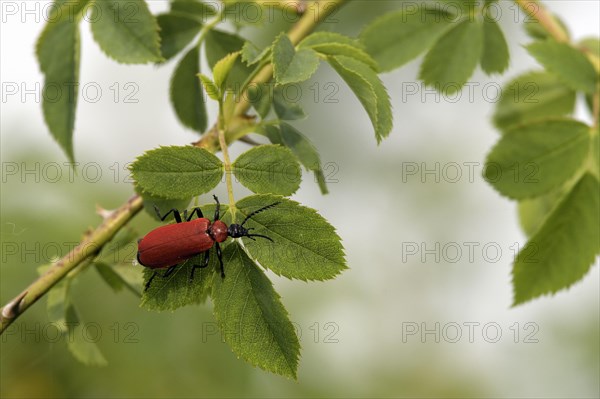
330	43
251	317
150	201
268	169
398	37
590	45
117	280
176	290
111	251
110	277
177	172
252	54
367	86
218	44
285	109
495	56
530	160
58	301
533	96
291	66
186	94
176	32
536	31
194	8
58	50
305	246
211	89
534	211
260	96
126	31
302	148
223	67
570	65
82	340
564	248
452	60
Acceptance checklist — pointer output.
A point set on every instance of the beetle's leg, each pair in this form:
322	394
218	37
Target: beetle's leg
217	209
149	281
202	266
196	210
220	256
169	271
176	214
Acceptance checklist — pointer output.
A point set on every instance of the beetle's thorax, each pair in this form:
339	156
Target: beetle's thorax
218	231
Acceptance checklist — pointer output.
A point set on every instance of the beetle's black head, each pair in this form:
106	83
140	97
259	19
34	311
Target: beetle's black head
237	231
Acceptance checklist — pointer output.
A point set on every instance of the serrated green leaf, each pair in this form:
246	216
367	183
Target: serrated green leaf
268	169
251	317
251	54
330	43
81	342
194	8
534	211
570	65
564	248
495	56
217	45
150	201
260	96
305	246
530	160
398	37
126	31
176	32
176	290
58	50
186	93
533	96
211	89
223	67
289	65
367	86
177	172
302	148
452	60
286	110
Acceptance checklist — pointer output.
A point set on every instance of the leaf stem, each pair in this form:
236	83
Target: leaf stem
87	248
538	12
221	127
314	14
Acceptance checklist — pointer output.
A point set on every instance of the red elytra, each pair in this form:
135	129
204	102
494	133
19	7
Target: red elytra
167	246
170	245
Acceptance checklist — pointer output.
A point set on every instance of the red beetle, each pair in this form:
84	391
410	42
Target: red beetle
167	246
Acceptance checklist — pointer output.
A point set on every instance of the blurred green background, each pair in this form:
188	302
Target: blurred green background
416	314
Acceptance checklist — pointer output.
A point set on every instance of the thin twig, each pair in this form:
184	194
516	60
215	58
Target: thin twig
89	247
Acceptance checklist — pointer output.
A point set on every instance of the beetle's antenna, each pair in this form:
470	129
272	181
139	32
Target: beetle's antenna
258	211
259	235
